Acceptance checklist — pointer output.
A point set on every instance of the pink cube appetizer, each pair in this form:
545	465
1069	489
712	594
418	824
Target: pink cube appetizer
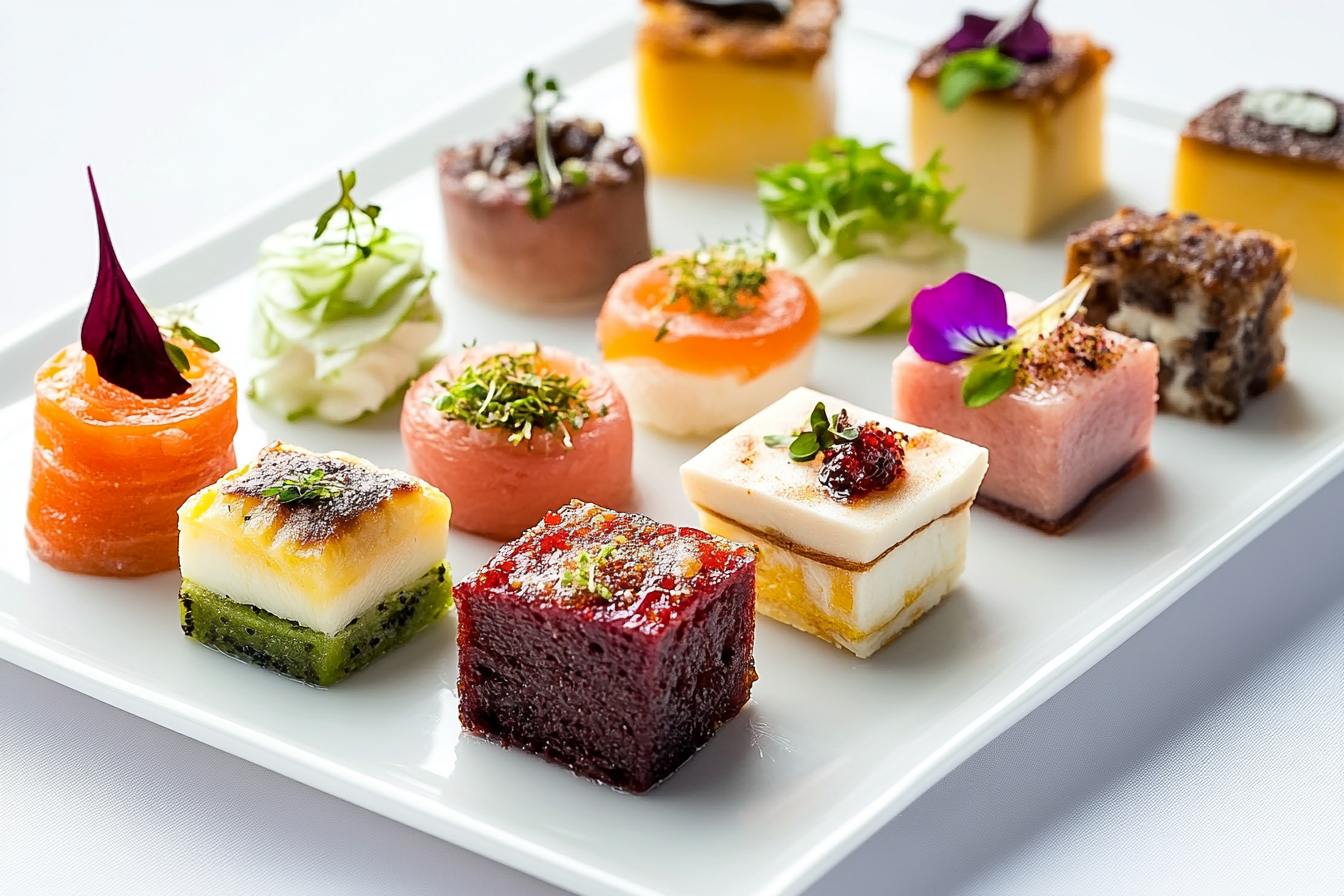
1069	408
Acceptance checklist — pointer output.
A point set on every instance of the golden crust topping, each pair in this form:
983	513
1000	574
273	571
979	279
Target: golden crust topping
673	28
1073	62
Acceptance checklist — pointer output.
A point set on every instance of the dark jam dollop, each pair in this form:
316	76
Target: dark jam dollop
873	461
772	11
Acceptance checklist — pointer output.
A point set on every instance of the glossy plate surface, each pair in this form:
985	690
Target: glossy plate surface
830	746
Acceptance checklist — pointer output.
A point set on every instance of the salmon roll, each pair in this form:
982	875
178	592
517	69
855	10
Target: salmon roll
511	430
129	423
698	342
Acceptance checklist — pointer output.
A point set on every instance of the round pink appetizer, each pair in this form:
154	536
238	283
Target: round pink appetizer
511	430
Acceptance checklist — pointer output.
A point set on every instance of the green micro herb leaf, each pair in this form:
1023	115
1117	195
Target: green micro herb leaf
722	280
347	204
312	486
517	393
177	356
543	187
823	432
971	71
581	575
173	325
846	189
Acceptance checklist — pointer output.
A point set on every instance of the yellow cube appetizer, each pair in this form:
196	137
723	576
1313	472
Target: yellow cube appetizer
1026	143
1272	160
729	87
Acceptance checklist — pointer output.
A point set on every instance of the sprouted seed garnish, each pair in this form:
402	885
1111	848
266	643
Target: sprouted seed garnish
515	392
581	575
312	486
722	280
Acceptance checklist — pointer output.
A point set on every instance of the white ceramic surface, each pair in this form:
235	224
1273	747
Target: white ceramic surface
830	746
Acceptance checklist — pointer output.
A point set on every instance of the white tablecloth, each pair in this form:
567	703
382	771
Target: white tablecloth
1204	756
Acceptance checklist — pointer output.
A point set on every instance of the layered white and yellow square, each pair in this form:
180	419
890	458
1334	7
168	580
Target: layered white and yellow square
854	574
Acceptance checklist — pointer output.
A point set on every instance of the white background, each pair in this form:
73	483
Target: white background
1206	755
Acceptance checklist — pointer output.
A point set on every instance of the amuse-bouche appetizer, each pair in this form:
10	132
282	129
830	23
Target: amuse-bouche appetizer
312	565
509	431
129	423
1016	112
1210	294
861	520
727	86
607	642
544	217
344	316
1066	409
699	341
1272	160
863	232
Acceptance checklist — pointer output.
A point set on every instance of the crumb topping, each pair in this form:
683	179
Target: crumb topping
1071	349
675	28
1226	124
1073	62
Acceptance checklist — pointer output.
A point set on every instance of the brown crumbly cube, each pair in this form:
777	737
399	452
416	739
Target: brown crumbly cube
1210	294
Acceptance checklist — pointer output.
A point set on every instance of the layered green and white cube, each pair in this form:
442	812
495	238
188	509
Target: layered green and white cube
312	565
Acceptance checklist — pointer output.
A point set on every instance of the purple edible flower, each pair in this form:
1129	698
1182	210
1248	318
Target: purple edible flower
963	317
118	330
1028	41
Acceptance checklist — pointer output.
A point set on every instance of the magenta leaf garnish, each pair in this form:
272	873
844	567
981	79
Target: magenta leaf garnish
1021	37
118	330
965	316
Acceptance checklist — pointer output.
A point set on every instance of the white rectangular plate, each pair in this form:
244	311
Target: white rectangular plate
830	747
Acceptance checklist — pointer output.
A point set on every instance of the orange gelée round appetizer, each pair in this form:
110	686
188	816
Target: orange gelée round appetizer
510	431
124	434
700	341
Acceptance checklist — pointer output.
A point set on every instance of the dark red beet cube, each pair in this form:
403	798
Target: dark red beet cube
607	642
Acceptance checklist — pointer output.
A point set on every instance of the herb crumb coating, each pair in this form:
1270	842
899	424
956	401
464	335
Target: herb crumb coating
1211	295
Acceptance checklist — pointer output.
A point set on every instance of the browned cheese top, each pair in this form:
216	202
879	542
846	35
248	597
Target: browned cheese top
1225	124
1074	61
673	28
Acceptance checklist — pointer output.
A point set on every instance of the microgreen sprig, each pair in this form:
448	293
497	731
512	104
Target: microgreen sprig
311	486
823	433
516	393
972	71
543	187
582	574
721	280
347	204
845	189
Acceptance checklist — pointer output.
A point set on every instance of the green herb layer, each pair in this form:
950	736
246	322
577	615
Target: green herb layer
282	645
851	199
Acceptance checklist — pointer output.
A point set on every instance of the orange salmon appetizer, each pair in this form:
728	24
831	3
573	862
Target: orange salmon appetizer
512	430
128	425
701	341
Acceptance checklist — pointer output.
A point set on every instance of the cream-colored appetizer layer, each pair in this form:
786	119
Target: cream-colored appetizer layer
314	538
684	403
856	573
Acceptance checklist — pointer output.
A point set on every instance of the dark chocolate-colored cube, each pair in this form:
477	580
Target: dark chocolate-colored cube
607	642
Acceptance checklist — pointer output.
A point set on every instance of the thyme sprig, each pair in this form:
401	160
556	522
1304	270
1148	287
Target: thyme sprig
582	574
311	486
823	432
347	204
515	392
722	280
173	325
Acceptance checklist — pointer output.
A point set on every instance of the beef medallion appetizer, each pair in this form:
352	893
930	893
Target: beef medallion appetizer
607	642
545	225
